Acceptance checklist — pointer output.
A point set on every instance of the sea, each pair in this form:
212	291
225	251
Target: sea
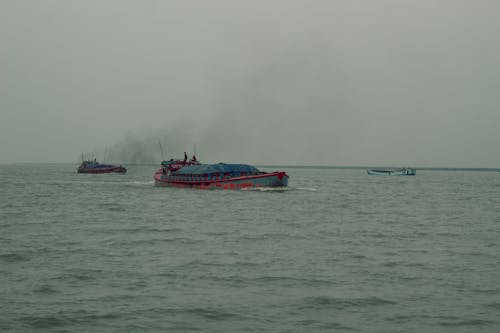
336	251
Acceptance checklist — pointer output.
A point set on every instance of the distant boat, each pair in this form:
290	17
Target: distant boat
193	174
93	166
393	172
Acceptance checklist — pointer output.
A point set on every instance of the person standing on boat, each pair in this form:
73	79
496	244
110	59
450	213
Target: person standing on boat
193	159
185	157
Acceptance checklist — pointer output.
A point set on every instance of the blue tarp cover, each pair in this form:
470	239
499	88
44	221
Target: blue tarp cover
95	166
214	168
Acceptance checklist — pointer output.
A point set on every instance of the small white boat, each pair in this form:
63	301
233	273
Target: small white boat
393	172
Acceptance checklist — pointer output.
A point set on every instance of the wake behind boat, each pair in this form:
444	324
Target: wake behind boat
192	174
393	172
93	166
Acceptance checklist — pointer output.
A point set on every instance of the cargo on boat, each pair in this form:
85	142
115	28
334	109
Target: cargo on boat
192	174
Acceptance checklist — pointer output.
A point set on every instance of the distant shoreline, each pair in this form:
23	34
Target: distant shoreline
283	166
380	167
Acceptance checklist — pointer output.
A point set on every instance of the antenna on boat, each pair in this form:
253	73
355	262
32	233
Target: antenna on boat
161	149
105	155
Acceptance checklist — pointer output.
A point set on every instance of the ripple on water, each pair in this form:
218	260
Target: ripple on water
460	322
329	326
80	275
495	305
321	302
112	207
210	313
44	289
13	257
443	321
43	321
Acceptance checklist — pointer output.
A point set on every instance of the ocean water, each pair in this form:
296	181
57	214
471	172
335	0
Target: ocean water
337	251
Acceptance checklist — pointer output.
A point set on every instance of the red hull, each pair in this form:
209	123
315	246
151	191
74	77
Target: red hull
272	179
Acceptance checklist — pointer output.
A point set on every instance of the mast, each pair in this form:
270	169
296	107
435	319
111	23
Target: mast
161	149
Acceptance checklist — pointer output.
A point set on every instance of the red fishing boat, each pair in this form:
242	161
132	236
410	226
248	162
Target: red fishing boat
193	174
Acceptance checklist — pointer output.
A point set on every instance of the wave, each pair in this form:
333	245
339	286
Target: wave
467	322
112	207
43	322
152	241
80	275
44	289
447	321
210	313
344	303
291	281
495	305
330	326
147	230
13	257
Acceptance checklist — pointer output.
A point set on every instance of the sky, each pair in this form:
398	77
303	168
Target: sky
273	82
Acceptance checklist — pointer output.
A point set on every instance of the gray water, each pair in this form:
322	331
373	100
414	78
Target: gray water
338	251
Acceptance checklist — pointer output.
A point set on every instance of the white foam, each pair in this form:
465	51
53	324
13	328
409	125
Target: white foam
306	189
140	183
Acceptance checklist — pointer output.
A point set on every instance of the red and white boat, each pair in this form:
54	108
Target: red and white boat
192	174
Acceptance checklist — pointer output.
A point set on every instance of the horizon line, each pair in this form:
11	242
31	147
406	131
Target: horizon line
298	166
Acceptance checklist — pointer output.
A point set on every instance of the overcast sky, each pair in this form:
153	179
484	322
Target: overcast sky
353	82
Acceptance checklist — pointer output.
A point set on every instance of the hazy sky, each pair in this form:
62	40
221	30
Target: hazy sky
352	82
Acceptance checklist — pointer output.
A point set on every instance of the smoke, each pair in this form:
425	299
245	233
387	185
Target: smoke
274	112
147	147
337	84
